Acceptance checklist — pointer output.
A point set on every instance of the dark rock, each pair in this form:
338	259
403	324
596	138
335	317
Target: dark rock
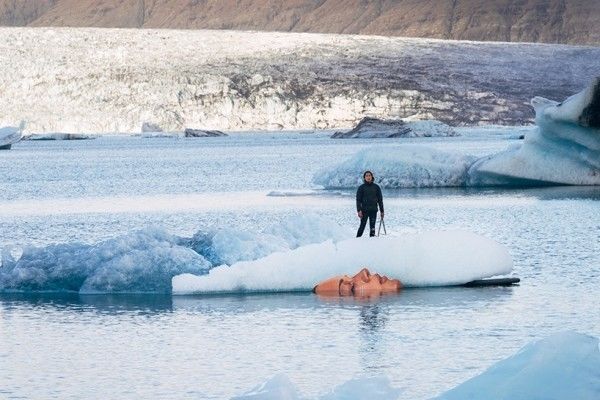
202	133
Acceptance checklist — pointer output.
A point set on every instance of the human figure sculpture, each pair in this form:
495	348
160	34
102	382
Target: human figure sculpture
363	283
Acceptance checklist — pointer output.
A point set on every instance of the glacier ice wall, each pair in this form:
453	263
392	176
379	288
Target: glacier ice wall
86	80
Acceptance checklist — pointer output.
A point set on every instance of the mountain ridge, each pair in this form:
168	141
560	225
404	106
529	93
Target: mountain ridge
538	21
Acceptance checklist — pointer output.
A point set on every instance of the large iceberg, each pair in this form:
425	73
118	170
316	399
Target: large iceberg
146	260
370	127
564	366
564	149
431	258
138	262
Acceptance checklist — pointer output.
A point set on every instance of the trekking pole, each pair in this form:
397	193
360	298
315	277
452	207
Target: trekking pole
381	223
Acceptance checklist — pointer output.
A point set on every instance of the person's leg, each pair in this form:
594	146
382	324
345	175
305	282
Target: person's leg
363	223
372	219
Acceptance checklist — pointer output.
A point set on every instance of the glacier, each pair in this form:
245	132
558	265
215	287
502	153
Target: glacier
563	149
429	258
90	80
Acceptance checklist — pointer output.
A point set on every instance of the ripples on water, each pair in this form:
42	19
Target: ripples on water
425	340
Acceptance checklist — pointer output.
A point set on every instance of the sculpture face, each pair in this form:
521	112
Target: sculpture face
363	283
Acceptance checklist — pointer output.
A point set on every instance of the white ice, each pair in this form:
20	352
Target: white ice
564	149
280	387
430	258
565	366
399	166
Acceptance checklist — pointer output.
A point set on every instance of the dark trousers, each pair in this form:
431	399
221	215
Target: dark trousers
372	217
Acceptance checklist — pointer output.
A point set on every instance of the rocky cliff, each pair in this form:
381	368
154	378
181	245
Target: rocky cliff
550	21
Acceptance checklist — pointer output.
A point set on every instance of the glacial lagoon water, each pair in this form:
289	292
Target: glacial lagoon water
426	341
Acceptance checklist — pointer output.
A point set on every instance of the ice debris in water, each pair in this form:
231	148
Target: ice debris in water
564	366
280	387
142	261
146	260
429	258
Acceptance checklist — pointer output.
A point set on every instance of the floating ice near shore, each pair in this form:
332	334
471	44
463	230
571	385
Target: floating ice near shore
564	149
142	261
433	258
146	260
280	387
10	135
396	128
59	136
564	366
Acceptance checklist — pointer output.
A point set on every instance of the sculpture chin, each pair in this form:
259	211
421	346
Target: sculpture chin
563	150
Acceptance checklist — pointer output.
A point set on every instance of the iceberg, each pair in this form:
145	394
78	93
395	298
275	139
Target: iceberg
430	258
564	366
144	261
370	128
280	387
10	135
138	262
399	167
563	149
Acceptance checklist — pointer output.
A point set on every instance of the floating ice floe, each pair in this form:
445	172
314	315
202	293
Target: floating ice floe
431	258
564	149
280	387
10	135
396	128
146	260
138	262
565	366
59	136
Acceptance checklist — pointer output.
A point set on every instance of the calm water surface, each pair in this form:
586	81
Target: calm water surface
425	340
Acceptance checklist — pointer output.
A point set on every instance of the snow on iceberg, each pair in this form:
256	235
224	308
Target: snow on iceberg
399	166
229	245
564	149
280	387
431	258
564	366
142	261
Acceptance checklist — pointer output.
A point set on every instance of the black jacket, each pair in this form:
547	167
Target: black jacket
368	197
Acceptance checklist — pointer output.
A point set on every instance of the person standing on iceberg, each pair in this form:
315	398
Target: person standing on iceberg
368	199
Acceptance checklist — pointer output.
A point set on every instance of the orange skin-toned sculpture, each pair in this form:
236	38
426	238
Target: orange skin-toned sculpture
363	283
